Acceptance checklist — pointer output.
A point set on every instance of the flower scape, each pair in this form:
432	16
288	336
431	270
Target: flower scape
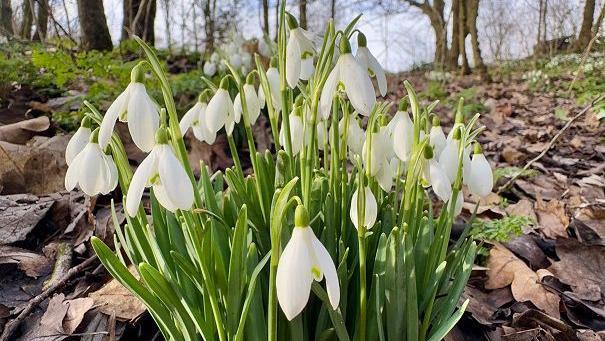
334	234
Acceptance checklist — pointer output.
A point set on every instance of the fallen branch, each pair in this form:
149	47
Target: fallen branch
11	326
551	143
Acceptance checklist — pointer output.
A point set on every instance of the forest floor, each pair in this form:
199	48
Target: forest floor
540	274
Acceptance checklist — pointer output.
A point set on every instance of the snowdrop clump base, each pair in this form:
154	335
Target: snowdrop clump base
332	236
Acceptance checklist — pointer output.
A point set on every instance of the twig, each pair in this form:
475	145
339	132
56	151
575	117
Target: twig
551	143
11	326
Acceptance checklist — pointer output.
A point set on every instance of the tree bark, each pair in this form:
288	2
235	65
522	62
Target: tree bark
95	34
471	17
597	26
454	52
42	20
302	13
435	14
333	9
26	24
586	29
209	26
266	17
6	18
462	32
139	19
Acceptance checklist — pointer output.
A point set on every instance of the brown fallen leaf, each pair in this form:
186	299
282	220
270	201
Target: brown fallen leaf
19	214
582	267
33	264
21	132
552	219
75	314
506	269
523	208
113	298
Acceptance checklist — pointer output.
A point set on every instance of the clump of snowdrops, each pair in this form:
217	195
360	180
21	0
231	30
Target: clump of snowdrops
337	210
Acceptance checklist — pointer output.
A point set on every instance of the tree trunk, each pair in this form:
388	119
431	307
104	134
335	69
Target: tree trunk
597	26
302	13
42	20
95	34
6	18
471	17
586	28
435	14
209	26
266	17
333	9
455	50
139	19
167	23
26	23
462	32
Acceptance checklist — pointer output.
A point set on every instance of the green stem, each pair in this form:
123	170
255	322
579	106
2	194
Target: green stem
272	313
362	284
236	162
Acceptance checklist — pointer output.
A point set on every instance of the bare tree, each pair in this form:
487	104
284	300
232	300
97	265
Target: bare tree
210	25
462	33
41	20
434	11
139	19
6	18
266	17
472	13
585	34
302	13
26	22
95	34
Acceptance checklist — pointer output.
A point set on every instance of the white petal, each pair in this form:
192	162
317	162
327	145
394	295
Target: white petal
355	136
327	93
73	172
190	117
209	69
327	267
275	87
252	102
449	159
296	134
175	180
218	110
376	68
459	203
117	108
306	68
237	108
371	211
293	54
76	144
139	181
358	85
112	173
161	195
304	41
481	178
294	277
261	97
386	174
143	118
403	137
437	139
93	171
439	181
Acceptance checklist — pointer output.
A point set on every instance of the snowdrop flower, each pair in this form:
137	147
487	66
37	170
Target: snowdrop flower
274	87
195	118
479	179
403	135
78	141
354	77
91	169
220	110
436	176
235	60
371	209
355	135
209	69
304	260
214	57
367	60
134	106
449	156
437	137
299	54
264	46
162	171
252	104
296	132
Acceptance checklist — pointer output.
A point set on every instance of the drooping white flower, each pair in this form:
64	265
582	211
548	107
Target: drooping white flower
235	60
381	152
214	57
387	173
449	160
195	119
220	111
274	87
355	135
91	169
480	179
437	137
296	133
209	69
78	141
403	135
137	108
299	54
439	181
368	61
304	260
162	171
264	46
356	81
371	209
252	102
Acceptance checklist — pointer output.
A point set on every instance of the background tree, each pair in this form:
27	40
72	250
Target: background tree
6	18
266	17
436	17
41	20
26	22
585	34
95	34
139	19
302	13
472	13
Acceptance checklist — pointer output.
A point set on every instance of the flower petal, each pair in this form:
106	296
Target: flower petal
437	139
76	144
449	159
275	87
327	267
306	68
294	277
371	211
218	110
381	78
358	85
143	118
175	180
439	181
93	171
139	182
293	54
112	180
117	108
481	178
190	117
403	136
327	93
252	102
73	172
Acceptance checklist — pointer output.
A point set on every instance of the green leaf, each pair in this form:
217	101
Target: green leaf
250	296
236	271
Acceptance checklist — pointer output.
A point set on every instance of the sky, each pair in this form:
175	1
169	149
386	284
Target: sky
399	35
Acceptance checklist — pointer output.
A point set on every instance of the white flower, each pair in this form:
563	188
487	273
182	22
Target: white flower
381	151
195	119
78	141
299	54
480	179
209	69
459	203
93	170
296	133
304	260
386	173
235	60
252	102
163	171
371	209
274	87
214	57
439	181
355	135
368	61
449	158
357	84
264	47
437	139
134	106
403	135
220	112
